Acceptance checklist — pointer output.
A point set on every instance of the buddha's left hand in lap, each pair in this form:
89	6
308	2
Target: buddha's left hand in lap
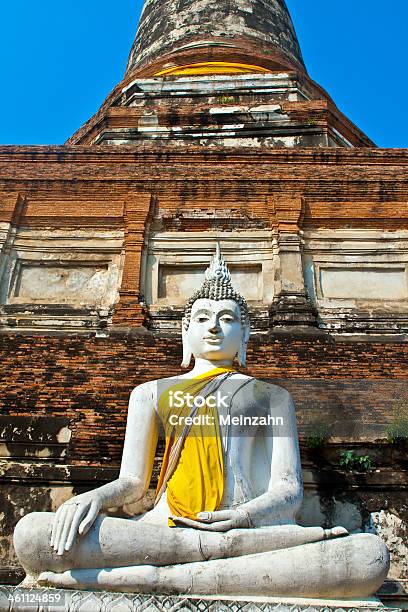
221	520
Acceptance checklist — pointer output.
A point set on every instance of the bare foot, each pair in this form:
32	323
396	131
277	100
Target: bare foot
63	580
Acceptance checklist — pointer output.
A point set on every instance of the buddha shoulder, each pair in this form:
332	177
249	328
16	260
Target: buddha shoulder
261	393
147	393
144	395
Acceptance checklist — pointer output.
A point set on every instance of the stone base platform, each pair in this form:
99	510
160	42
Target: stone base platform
16	599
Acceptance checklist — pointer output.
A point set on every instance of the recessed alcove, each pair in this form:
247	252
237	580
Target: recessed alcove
174	264
357	279
59	282
177	282
60	279
363	282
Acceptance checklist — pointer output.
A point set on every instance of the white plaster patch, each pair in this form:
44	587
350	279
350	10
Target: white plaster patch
64	435
237	126
157	129
265	108
223	110
4	452
43	453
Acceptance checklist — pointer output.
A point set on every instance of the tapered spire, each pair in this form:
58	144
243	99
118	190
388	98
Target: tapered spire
254	33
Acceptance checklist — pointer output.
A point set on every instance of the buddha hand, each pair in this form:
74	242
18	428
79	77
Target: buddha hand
75	516
221	520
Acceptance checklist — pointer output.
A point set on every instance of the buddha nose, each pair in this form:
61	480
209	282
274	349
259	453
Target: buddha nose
214	326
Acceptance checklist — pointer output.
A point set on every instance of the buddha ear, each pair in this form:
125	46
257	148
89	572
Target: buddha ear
187	354
243	346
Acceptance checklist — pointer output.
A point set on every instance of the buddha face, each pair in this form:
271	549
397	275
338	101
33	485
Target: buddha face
215	331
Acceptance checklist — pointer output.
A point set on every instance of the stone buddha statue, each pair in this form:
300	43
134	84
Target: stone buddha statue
224	517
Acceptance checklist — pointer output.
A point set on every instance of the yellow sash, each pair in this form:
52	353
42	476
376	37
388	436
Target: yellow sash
197	480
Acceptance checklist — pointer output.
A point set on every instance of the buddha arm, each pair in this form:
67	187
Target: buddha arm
284	495
77	515
140	443
138	452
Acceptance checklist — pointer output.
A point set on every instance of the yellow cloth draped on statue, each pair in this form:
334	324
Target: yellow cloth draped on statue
193	465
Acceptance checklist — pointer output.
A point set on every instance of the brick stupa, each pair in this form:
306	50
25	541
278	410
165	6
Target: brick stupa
216	133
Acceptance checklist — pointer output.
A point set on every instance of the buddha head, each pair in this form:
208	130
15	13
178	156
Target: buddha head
216	321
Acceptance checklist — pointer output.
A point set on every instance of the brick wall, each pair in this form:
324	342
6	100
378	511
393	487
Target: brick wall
89	381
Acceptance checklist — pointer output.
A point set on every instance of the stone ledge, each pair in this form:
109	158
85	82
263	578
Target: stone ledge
59	600
315	478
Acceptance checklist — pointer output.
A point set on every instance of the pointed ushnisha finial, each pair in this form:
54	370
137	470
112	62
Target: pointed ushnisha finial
217	286
218	267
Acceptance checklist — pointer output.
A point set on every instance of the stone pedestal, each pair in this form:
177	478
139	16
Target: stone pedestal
59	600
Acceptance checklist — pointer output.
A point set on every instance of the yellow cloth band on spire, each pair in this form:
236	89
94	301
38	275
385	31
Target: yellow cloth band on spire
197	482
211	68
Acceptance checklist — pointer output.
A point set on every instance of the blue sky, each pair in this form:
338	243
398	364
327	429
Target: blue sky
60	58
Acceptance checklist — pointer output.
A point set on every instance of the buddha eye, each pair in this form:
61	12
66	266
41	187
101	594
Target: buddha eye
201	319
